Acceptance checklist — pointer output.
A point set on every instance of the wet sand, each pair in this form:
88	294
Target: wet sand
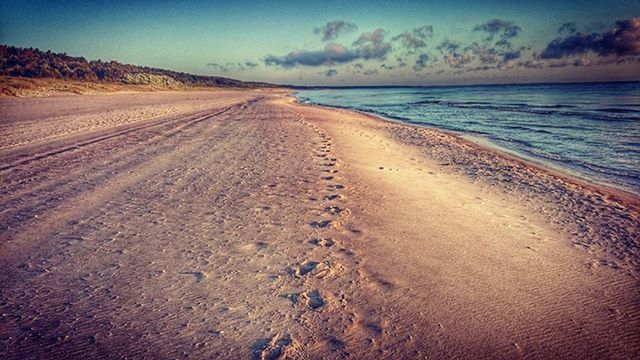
236	224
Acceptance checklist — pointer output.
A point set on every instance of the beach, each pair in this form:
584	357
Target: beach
243	224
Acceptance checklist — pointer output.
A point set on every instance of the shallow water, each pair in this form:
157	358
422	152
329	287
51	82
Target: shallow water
589	129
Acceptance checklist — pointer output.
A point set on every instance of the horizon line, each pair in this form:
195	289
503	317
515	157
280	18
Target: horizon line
312	87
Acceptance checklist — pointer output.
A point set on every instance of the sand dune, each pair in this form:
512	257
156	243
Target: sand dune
243	225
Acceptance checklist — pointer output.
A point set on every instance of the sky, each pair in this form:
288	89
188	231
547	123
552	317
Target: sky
348	42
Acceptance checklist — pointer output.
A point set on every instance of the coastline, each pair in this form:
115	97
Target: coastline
243	224
557	189
606	188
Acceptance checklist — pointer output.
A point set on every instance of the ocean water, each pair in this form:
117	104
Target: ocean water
591	130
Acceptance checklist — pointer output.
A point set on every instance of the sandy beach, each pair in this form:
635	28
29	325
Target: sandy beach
240	224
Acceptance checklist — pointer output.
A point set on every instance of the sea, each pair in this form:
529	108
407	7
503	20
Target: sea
591	130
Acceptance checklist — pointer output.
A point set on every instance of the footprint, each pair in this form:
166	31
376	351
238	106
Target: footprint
306	267
326	270
334	210
278	347
312	299
199	275
379	282
261	209
326	242
338	346
293	297
252	248
320	224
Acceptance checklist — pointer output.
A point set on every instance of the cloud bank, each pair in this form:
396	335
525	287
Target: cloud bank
370	45
227	67
421	62
497	27
331	72
494	50
415	39
622	40
333	29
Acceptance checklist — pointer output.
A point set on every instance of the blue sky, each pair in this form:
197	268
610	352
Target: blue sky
453	42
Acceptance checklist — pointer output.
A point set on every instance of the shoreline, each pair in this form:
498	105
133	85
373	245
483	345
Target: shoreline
607	189
241	224
438	209
524	181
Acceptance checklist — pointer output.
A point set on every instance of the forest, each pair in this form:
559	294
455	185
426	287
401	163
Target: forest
35	63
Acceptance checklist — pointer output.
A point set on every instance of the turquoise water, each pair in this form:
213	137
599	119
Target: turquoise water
589	129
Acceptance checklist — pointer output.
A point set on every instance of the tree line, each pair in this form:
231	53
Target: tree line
35	63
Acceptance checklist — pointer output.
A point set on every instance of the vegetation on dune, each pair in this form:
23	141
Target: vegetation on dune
35	63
